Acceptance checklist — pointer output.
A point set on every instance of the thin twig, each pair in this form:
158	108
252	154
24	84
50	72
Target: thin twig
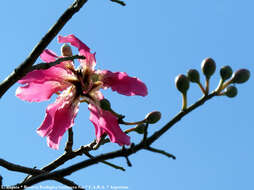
119	2
24	67
161	152
51	64
105	162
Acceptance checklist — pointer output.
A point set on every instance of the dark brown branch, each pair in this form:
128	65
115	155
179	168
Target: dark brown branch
119	2
1	181
69	143
32	171
120	153
24	67
68	156
51	64
161	152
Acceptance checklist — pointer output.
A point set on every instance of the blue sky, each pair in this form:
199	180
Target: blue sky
155	41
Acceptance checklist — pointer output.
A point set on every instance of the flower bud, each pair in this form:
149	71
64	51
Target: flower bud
225	72
182	83
140	129
66	50
241	76
231	91
193	75
208	67
105	104
153	117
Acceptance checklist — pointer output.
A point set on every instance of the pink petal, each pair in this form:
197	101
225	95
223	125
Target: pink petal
40	76
59	118
105	121
48	56
36	92
73	40
123	84
83	50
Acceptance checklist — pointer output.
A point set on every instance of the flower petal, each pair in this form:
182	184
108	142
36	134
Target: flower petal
48	56
59	118
73	40
83	50
36	92
40	76
105	121
123	84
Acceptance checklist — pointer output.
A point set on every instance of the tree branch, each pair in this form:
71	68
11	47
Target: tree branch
17	168
122	152
24	67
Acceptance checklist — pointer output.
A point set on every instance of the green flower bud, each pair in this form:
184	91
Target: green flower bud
153	117
226	72
140	129
193	75
66	50
231	91
182	83
105	104
241	76
208	67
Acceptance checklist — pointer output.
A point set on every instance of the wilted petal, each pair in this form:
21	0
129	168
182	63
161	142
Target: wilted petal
105	121
36	92
48	56
123	84
59	118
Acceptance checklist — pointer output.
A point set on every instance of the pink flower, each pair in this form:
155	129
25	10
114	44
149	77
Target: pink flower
77	85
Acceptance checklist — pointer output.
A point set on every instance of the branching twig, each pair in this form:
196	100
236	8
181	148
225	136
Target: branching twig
120	153
119	2
161	152
24	68
68	156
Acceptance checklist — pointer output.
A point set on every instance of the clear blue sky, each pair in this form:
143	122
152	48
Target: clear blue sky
155	41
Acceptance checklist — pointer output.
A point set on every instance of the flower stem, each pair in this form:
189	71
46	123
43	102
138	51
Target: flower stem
201	87
219	88
133	123
226	84
184	101
207	86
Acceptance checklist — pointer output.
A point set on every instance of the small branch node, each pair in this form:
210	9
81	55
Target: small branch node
126	156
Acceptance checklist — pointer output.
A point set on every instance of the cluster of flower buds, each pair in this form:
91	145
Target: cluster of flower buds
228	79
208	67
